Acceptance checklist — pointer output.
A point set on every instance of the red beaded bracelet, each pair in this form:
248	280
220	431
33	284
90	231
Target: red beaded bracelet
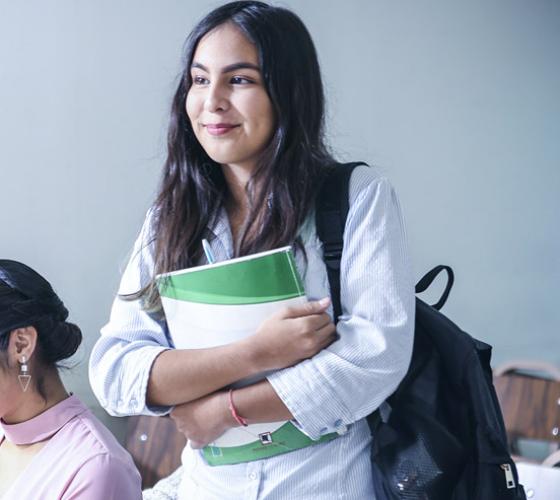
238	418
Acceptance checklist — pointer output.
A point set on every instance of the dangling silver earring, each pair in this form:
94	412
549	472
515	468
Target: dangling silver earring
24	377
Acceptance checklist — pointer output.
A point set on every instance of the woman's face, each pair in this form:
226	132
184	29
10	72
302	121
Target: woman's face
227	104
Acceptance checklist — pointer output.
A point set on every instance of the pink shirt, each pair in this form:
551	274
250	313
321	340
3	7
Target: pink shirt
82	460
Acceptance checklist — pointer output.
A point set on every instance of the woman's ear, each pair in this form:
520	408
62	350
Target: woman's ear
23	342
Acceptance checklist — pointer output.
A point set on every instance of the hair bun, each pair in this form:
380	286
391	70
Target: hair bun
60	342
55	307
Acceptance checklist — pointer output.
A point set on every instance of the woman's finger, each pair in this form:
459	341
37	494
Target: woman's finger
316	321
309	308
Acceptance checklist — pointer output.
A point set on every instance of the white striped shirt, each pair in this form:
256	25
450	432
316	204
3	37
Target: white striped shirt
332	391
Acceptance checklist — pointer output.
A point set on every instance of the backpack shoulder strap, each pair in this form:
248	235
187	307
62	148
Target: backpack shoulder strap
330	216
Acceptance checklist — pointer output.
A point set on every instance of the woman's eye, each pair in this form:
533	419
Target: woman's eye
200	80
240	79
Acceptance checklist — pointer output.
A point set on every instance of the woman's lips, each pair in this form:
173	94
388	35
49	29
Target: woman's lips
219	128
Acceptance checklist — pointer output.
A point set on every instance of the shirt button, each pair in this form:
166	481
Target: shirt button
323	430
252	476
338	423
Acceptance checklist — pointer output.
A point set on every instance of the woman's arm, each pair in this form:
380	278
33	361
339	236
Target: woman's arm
122	357
207	418
293	334
134	370
353	376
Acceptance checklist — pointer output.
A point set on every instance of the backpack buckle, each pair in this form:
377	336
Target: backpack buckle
332	254
332	250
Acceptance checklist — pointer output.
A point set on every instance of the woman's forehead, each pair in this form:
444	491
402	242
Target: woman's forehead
225	45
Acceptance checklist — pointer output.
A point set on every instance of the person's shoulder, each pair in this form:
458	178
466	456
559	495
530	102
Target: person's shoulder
106	465
104	460
105	476
97	457
88	437
147	229
368	180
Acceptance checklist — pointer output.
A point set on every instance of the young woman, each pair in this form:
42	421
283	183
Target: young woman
245	161
51	445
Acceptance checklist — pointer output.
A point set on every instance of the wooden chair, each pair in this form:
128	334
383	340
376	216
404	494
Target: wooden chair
155	446
529	395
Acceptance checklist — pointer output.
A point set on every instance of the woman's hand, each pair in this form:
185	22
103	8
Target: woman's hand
205	419
292	334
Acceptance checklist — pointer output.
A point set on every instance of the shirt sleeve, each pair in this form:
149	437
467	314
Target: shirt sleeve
351	378
122	358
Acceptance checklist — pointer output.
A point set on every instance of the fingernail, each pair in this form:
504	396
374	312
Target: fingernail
325	301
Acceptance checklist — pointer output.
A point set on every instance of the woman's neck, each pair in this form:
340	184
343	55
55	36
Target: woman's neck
237	201
237	179
32	403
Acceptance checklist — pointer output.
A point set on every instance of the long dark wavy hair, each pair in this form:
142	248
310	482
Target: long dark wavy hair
283	187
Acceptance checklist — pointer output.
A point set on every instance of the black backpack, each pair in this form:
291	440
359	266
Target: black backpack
440	435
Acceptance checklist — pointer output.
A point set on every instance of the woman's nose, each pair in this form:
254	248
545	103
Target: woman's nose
216	99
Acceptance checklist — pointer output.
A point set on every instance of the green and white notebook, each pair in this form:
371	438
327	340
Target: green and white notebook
216	304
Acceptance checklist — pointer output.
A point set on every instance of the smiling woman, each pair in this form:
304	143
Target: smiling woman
246	160
227	104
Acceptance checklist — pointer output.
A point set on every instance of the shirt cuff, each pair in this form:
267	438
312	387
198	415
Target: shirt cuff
130	397
155	411
310	399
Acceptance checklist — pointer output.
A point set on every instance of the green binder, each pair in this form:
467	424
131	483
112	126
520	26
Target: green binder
220	303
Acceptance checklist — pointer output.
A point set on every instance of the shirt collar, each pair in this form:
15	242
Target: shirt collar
221	230
44	425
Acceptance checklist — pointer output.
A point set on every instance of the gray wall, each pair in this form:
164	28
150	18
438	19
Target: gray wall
457	101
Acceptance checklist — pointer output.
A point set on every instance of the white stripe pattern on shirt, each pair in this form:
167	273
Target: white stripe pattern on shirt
333	391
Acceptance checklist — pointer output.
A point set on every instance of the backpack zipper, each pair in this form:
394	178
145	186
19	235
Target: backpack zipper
510	481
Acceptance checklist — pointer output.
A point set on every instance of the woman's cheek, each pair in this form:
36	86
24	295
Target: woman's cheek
190	107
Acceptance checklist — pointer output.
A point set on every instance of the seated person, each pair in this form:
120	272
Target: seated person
51	445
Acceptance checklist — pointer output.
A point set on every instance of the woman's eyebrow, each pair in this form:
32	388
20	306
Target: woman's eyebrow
229	68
